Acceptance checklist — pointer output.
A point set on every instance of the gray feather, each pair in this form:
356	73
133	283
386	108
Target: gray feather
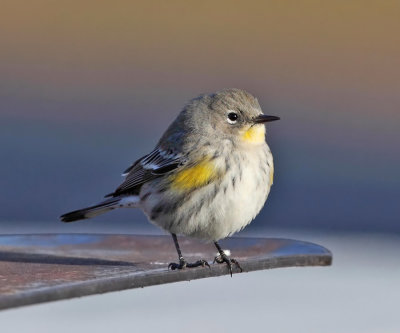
92	211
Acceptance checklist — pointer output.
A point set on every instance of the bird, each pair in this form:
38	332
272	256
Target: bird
207	178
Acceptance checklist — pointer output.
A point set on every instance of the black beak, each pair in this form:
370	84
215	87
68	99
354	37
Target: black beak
262	118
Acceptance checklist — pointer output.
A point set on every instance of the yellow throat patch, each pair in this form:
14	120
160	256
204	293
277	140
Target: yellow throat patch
194	177
255	134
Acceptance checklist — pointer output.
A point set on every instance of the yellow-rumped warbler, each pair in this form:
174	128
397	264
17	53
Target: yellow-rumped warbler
208	177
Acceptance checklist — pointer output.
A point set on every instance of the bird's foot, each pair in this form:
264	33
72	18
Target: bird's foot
183	264
223	258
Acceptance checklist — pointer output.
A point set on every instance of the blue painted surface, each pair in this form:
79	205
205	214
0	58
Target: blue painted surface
49	240
279	247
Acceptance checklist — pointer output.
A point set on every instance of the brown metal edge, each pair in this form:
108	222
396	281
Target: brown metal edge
152	278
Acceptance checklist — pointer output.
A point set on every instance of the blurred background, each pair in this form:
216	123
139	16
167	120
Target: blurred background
87	87
86	90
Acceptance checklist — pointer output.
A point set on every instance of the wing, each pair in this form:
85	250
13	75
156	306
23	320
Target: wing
151	166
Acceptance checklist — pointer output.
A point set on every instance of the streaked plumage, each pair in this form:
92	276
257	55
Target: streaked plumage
208	176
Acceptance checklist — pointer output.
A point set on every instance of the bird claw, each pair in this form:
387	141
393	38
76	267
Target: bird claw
223	258
173	265
198	263
183	264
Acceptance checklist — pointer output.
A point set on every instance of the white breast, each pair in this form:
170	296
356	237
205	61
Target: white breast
238	199
218	210
245	199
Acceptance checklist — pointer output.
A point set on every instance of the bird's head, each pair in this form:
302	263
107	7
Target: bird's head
232	114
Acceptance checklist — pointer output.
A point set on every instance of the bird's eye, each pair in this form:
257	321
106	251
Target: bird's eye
232	117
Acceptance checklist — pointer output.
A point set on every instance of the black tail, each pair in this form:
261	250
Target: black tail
86	213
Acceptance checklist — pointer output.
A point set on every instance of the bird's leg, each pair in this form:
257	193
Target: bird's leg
182	262
223	258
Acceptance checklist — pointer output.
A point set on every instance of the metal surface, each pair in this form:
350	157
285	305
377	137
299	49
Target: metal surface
42	268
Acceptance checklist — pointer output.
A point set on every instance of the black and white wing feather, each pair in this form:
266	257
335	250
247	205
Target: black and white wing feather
151	166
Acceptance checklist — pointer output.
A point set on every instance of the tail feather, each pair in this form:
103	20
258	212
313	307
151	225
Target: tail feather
92	211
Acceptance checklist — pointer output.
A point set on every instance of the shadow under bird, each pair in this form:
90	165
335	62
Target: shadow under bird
208	177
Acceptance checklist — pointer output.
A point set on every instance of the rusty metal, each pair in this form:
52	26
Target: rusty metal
42	268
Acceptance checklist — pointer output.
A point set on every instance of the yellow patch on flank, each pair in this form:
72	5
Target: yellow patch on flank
255	134
271	176
194	177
